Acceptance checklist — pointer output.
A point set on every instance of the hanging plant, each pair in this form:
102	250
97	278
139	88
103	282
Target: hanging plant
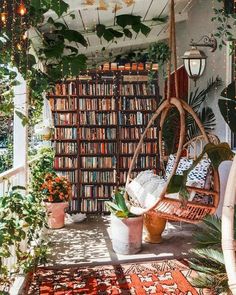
126	23
226	21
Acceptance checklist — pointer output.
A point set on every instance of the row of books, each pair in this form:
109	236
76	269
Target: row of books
104	104
92	206
65	162
145	162
68	88
97	133
138	104
135	132
98	148
72	176
98	162
130	147
98	191
62	104
96	89
129	66
98	176
137	89
134	118
65	119
94	118
124	174
66	133
65	147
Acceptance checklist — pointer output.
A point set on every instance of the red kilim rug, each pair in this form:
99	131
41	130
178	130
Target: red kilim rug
159	278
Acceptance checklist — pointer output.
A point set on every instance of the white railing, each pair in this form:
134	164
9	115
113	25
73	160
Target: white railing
14	177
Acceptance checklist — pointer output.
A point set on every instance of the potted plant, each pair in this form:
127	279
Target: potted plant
126	227
56	192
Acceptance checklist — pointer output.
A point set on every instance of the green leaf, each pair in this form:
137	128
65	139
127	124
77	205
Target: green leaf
74	36
100	30
230	91
161	19
74	51
55	51
125	20
108	35
228	111
136	27
59	6
175	184
115	33
128	33
145	29
24	119
120	201
218	153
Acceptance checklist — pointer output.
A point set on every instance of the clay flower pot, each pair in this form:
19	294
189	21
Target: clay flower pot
126	234
56	214
154	227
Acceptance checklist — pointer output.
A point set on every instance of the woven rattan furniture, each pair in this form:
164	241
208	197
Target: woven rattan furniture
176	209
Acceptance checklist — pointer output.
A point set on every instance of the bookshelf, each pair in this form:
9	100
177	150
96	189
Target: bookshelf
99	118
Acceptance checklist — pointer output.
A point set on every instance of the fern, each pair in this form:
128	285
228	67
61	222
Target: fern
207	258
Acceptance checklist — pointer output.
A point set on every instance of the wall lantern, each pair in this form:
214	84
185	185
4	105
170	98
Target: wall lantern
195	59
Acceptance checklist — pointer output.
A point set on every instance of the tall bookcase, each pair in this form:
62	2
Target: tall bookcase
99	118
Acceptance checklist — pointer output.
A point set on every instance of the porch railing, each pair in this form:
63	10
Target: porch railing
8	179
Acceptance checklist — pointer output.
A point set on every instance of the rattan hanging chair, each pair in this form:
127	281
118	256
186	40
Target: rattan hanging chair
165	207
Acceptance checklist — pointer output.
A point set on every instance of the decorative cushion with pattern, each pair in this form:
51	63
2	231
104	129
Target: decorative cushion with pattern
198	174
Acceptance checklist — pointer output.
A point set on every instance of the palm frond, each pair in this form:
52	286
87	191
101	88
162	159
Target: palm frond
213	255
196	98
213	283
210	234
207	118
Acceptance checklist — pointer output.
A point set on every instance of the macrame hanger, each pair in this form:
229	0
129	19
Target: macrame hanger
173	52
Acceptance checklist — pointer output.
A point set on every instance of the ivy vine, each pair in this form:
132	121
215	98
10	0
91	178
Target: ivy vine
226	21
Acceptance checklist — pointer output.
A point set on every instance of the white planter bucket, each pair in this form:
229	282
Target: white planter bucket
126	234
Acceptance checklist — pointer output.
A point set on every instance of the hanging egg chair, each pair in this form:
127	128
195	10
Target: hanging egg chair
166	207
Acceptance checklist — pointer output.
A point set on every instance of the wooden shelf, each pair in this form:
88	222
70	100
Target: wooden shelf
98	155
64	140
66	126
64	111
97	126
97	169
61	95
93	105
66	155
65	169
97	140
99	183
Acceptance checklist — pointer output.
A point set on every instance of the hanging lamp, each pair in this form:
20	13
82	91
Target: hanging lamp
194	63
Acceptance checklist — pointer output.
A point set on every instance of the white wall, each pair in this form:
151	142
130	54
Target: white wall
199	24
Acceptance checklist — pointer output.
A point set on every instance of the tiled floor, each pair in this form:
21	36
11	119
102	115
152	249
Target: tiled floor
89	243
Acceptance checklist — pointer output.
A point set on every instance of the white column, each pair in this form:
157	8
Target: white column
20	132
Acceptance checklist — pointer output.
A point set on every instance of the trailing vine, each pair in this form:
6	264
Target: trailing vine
226	21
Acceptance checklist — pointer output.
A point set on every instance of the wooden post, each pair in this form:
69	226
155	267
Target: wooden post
20	132
228	242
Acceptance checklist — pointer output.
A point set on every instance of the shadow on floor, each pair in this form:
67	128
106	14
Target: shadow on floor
89	243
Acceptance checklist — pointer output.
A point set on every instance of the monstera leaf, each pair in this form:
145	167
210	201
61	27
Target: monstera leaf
228	106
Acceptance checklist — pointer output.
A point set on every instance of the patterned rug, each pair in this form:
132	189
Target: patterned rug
159	278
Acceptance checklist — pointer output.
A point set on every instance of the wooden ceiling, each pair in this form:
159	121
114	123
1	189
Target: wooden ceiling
85	17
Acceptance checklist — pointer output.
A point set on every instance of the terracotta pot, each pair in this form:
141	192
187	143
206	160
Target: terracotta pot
56	214
126	234
154	227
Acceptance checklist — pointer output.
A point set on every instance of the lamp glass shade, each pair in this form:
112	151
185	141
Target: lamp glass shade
194	63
